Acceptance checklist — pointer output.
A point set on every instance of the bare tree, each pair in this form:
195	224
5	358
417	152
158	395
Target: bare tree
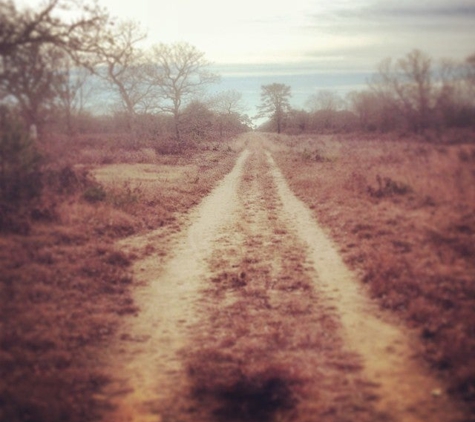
179	73
126	69
470	72
298	121
360	104
71	92
407	84
34	43
414	87
275	102
197	121
28	77
455	93
325	100
369	108
27	27
229	108
324	105
228	102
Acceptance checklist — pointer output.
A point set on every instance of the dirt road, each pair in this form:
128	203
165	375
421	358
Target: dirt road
254	317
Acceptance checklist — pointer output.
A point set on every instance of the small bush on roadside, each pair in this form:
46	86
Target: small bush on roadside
94	194
65	179
168	146
124	196
316	156
388	187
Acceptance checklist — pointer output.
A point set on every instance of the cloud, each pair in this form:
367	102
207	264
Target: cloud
425	10
382	28
436	13
371	12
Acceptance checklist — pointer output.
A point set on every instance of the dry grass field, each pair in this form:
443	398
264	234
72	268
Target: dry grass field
271	233
129	251
402	212
65	285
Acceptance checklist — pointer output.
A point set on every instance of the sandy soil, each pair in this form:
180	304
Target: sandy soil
253	316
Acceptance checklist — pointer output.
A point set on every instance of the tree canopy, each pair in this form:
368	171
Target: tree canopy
179	72
275	103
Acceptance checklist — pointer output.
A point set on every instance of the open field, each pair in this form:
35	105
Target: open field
66	286
271	278
402	214
275	232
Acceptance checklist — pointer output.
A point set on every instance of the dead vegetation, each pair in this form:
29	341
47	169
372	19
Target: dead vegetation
267	347
64	285
402	213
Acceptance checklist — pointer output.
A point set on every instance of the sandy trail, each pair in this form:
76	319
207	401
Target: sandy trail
149	362
256	318
407	391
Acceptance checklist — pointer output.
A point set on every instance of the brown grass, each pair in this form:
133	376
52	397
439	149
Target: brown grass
266	348
65	285
402	212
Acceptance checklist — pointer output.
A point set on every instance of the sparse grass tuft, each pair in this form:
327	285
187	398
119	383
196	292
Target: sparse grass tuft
94	194
388	187
125	195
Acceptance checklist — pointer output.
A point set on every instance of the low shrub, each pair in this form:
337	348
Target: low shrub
65	179
94	194
123	196
316	156
388	187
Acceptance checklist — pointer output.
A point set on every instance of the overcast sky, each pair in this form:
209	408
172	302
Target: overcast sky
338	42
336	34
309	44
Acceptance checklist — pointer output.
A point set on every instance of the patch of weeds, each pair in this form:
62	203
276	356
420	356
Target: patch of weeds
457	239
388	187
118	197
65	180
119	259
306	155
316	156
402	246
466	156
124	196
94	194
428	201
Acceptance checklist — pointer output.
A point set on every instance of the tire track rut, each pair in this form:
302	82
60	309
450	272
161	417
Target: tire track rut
255	318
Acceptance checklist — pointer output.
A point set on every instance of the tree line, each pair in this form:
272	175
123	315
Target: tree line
49	65
52	58
412	94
